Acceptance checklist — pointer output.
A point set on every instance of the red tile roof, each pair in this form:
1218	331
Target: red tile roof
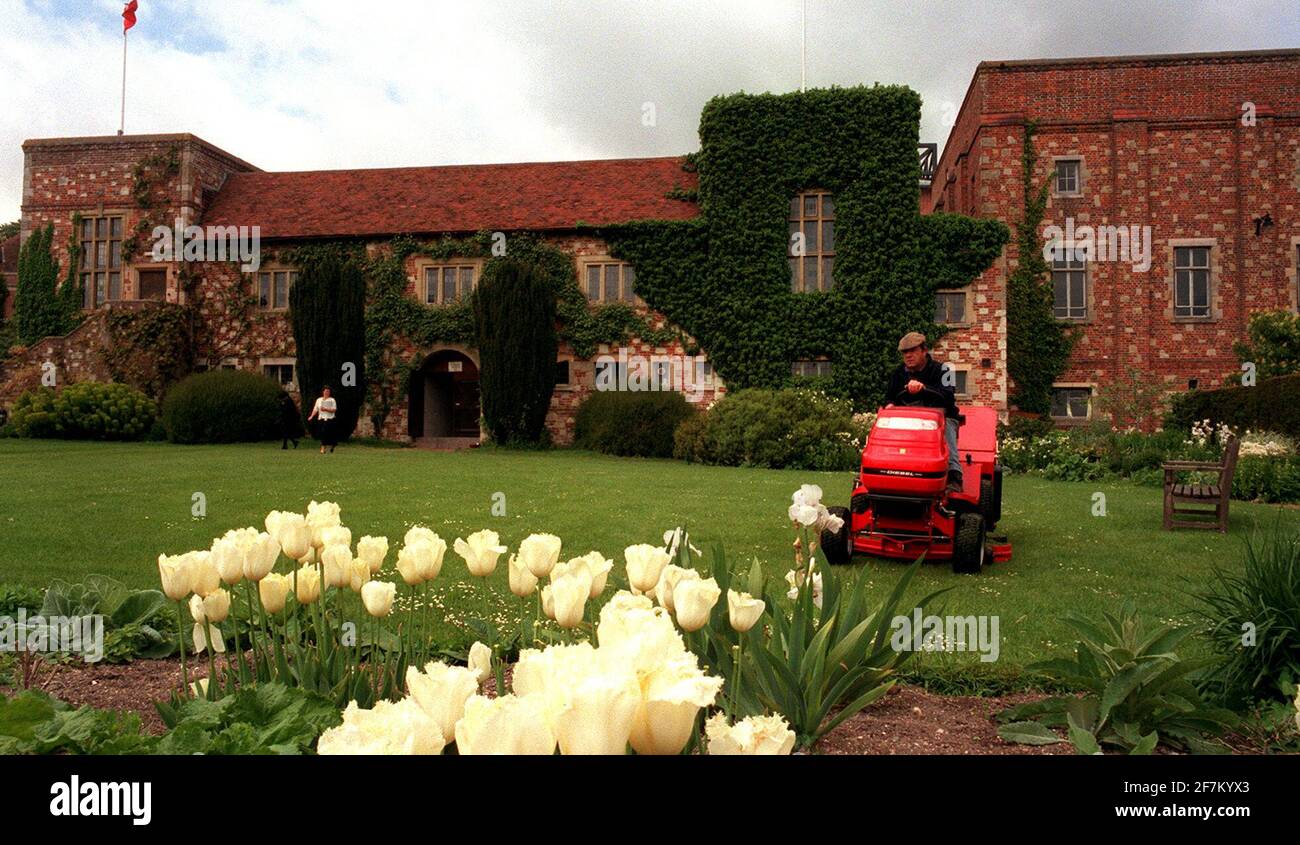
459	198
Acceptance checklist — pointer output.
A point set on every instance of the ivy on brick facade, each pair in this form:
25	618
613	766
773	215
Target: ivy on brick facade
724	276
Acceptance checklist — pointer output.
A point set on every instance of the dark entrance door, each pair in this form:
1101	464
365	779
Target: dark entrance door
444	397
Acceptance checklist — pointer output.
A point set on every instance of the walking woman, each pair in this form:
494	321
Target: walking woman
323	412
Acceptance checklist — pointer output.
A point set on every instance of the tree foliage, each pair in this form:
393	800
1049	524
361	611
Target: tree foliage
514	319
327	309
38	310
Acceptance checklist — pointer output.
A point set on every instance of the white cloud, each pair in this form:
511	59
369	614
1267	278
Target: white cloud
309	84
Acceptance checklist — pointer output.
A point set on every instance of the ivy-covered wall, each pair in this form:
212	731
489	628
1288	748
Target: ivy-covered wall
724	277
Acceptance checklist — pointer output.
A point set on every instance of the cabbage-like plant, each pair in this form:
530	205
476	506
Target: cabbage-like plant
1136	692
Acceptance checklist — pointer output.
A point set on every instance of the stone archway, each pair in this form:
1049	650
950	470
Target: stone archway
444	396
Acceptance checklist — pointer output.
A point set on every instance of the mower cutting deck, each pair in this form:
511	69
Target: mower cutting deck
900	507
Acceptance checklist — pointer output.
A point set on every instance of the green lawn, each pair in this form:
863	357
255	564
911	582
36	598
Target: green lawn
68	509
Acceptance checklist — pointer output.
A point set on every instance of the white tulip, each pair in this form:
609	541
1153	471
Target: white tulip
539	552
569	595
480	660
480	552
373	550
507	724
644	565
756	735
442	691
390	728
523	582
693	601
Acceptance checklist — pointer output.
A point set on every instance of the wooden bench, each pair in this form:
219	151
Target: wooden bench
1200	505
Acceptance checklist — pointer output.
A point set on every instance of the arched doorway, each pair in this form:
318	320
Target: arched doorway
444	397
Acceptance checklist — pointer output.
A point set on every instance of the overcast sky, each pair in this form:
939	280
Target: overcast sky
311	84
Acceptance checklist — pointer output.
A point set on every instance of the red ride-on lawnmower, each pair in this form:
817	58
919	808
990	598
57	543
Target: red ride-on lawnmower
900	508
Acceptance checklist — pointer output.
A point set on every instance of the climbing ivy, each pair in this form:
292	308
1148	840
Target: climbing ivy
148	183
150	348
1038	344
724	278
392	313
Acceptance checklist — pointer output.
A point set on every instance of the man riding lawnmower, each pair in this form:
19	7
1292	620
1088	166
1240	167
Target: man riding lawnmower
900	506
919	381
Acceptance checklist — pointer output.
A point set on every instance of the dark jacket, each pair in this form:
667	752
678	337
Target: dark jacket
935	394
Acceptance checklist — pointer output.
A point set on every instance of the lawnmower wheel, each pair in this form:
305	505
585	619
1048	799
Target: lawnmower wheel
988	507
968	546
838	545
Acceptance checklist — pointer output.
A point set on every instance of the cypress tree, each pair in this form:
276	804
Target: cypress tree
514	317
38	312
327	310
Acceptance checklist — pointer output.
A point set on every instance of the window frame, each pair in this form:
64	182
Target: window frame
1077	161
799	367
422	268
1085	269
271	269
88	274
1212	270
292	384
821	220
964	293
1070	420
586	262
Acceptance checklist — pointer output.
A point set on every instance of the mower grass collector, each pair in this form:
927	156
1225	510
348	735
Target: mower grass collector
900	507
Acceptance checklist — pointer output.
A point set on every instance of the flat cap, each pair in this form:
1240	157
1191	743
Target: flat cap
910	340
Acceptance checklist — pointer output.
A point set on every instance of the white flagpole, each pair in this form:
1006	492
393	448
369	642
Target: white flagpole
121	126
803	49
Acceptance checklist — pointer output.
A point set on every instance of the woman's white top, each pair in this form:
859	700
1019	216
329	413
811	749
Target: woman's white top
325	408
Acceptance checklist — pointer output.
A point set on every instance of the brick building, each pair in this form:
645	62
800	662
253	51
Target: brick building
1204	149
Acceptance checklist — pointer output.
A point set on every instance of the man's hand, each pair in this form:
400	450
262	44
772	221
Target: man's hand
915	386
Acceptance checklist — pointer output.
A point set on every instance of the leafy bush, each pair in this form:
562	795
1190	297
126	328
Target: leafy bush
327	305
222	406
1259	600
1273	404
1273	343
640	423
1136	692
14	597
269	718
1267	479
137	623
84	411
34	723
798	429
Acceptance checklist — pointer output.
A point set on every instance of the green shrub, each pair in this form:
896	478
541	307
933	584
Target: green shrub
222	406
1273	344
1136	692
640	423
327	305
1271	405
798	429
84	411
1261	599
1267	479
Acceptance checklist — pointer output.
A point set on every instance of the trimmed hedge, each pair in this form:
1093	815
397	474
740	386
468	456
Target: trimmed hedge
222	406
84	411
1271	405
794	428
637	423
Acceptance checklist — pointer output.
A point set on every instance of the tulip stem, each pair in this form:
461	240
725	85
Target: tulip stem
212	662
735	687
252	623
180	636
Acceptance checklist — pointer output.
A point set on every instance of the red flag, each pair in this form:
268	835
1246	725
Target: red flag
128	15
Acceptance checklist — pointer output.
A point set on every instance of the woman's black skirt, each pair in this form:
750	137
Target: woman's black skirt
325	432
